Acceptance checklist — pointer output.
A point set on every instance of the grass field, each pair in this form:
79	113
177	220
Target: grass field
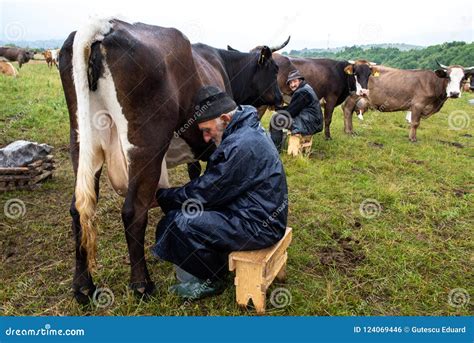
409	247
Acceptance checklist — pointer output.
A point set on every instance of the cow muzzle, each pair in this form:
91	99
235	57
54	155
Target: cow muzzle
363	92
454	94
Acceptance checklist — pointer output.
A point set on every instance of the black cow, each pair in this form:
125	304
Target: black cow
244	89
19	55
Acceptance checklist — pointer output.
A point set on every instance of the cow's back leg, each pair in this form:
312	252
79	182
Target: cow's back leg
328	110
144	176
82	285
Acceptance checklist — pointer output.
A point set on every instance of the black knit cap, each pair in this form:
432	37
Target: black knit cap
212	103
293	75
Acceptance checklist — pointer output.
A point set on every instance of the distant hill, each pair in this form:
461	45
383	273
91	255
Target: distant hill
399	46
36	44
399	55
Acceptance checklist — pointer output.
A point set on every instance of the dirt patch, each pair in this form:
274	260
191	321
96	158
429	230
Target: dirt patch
460	192
454	144
419	162
358	170
346	254
317	155
376	145
8	249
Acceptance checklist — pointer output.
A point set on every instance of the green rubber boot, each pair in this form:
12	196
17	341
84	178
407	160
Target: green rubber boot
198	289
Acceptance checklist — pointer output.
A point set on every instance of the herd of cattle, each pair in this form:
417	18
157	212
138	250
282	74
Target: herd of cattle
129	92
22	56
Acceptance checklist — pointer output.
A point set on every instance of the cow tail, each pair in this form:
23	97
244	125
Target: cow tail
85	53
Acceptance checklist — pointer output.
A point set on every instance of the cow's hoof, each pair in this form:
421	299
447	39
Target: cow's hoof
328	138
84	295
413	140
143	290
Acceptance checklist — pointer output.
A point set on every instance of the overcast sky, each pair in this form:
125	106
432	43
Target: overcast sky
246	23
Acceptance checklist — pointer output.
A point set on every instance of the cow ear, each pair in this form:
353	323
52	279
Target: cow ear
349	70
375	72
265	55
441	73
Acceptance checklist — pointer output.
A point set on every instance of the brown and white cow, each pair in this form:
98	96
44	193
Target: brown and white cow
6	68
129	89
51	57
420	92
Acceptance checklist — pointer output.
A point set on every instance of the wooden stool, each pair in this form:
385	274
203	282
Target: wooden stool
255	271
299	144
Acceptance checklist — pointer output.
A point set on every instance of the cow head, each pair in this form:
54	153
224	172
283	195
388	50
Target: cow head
264	80
30	55
264	83
361	70
455	74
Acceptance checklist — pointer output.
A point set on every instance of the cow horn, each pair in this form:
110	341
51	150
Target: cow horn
469	69
351	62
372	64
285	43
441	65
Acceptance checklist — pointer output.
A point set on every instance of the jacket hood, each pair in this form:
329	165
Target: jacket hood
244	116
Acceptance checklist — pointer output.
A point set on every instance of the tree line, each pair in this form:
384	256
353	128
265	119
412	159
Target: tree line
449	53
